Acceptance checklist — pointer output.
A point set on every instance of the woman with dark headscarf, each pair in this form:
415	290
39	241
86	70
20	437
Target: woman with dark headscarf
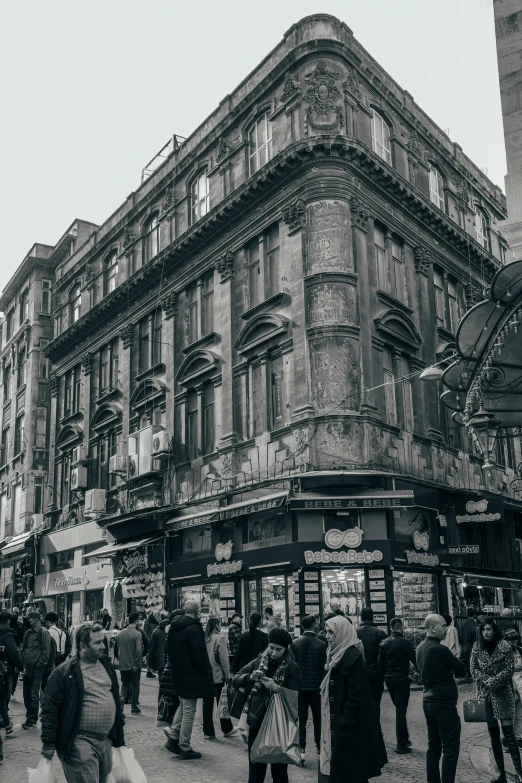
492	666
352	747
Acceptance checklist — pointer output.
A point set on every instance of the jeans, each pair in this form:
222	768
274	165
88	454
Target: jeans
443	724
313	700
89	761
183	723
4	701
208	712
465	657
399	690
130	679
257	772
377	689
31	691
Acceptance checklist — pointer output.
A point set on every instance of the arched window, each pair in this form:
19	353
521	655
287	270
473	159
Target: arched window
199	197
75	300
152	239
481	228
260	142
436	188
381	137
111	272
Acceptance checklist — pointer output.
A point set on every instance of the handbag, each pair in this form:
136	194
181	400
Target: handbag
474	709
236	700
222	708
277	741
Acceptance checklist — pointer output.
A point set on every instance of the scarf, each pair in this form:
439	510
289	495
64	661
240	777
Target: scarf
345	637
279	676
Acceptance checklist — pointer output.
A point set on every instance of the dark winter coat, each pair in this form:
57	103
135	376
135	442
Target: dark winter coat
395	655
150	625
371	637
493	676
260	698
157	648
166	686
310	655
187	651
11	654
468	634
62	707
357	746
250	646
18	629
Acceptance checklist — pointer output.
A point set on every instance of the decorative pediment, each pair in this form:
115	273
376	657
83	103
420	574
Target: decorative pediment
106	416
195	366
69	436
261	329
396	324
148	391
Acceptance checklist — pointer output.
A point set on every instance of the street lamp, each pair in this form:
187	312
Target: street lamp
483	428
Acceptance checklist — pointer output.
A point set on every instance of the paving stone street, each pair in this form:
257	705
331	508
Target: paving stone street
225	761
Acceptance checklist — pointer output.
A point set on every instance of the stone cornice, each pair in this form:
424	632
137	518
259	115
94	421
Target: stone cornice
327	149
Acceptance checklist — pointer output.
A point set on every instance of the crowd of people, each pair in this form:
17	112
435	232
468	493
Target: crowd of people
338	672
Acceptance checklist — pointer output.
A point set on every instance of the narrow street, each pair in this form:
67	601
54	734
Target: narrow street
225	761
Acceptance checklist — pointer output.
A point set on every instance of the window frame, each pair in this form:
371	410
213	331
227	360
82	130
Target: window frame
43	360
199	197
21	369
24	305
72	391
390	397
481	226
436	186
152	237
75	303
379	147
19	433
111	272
208	418
255	148
262	263
46	294
9	324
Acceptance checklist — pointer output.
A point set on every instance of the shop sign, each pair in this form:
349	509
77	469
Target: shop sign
225	565
467	549
376	573
137	561
377	584
421	541
337	538
249	508
379	595
193	521
89	577
378	608
381	619
393	500
479	510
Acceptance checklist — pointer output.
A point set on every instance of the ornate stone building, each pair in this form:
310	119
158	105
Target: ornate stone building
234	335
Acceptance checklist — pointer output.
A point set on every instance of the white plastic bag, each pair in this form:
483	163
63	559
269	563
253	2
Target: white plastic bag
43	773
125	768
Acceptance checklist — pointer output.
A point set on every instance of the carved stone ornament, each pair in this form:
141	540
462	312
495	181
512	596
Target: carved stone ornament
352	85
294	215
223	149
414	147
87	363
169	303
473	295
55	384
290	88
324	113
89	274
423	260
359	213
56	305
463	194
169	199
128	239
127	335
225	266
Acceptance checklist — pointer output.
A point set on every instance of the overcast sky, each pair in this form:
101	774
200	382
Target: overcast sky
91	90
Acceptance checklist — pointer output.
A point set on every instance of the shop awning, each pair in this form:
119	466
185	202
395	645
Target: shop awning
487	580
111	549
370	498
16	544
253	506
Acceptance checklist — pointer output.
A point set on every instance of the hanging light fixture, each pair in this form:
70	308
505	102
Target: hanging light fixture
484	427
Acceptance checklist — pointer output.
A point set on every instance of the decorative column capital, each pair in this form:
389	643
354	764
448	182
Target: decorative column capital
55	384
56	305
169	304
127	335
223	150
169	200
414	147
423	260
127	241
89	275
359	213
87	361
294	215
225	266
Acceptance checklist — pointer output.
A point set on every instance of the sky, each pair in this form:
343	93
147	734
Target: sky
91	90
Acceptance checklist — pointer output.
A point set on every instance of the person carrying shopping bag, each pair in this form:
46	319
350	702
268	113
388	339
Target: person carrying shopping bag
512	636
218	656
352	747
273	669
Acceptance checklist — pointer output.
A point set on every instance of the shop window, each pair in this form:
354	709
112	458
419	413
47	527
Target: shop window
262	263
46	296
407	521
381	137
93	605
62	560
343	589
389	388
196	540
266	528
207	596
415	597
260	143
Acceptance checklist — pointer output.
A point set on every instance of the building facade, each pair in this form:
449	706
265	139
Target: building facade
237	349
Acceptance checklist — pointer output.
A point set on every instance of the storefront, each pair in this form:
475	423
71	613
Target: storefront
17	560
75	594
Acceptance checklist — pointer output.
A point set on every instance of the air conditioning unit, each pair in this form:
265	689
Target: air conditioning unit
95	501
116	464
139	452
37	521
77	455
79	478
161	443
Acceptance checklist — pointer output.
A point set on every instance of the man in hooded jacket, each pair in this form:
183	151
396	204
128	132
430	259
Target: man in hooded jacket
191	675
158	640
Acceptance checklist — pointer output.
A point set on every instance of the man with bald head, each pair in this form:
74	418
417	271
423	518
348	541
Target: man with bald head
191	676
438	668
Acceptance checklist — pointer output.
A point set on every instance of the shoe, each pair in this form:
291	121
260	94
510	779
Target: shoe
135	711
189	755
209	736
501	778
408	743
173	745
231	733
150	676
403	749
28	725
302	754
13	729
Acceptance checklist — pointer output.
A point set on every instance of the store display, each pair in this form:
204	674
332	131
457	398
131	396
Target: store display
415	597
146	591
343	589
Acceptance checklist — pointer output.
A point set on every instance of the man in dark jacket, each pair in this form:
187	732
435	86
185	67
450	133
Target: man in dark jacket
35	653
191	675
81	712
157	647
310	655
251	643
12	661
149	626
438	668
468	637
371	637
395	655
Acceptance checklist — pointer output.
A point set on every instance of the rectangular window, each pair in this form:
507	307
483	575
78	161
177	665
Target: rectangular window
258	400
407	397
254	251
439	298
115	363
3	514
397	272
9	325
380	259
389	388
106	448
144	344
72	397
43	368
193	321
65	493
38	495
6	381
276	392
156	336
272	262
208	419
41	428
19	434
16	507
192	425
46	296
4	452
105	377
454	306
21	370
208	305
24	306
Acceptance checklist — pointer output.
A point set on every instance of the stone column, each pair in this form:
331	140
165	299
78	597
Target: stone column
54	427
226	268
169	304
359	218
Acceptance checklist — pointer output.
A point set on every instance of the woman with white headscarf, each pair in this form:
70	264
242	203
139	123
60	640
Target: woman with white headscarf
352	748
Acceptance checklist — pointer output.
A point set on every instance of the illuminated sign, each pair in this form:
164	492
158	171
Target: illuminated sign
395	500
335	539
479	510
224	566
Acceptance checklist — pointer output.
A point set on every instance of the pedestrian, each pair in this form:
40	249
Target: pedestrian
218	656
310	655
371	637
352	748
130	659
149	626
234	635
506	620
492	668
35	653
451	640
271	620
395	656
513	638
82	717
336	609
191	676
10	662
438	668
273	669
17	626
106	620
251	644
468	636
158	644
62	641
